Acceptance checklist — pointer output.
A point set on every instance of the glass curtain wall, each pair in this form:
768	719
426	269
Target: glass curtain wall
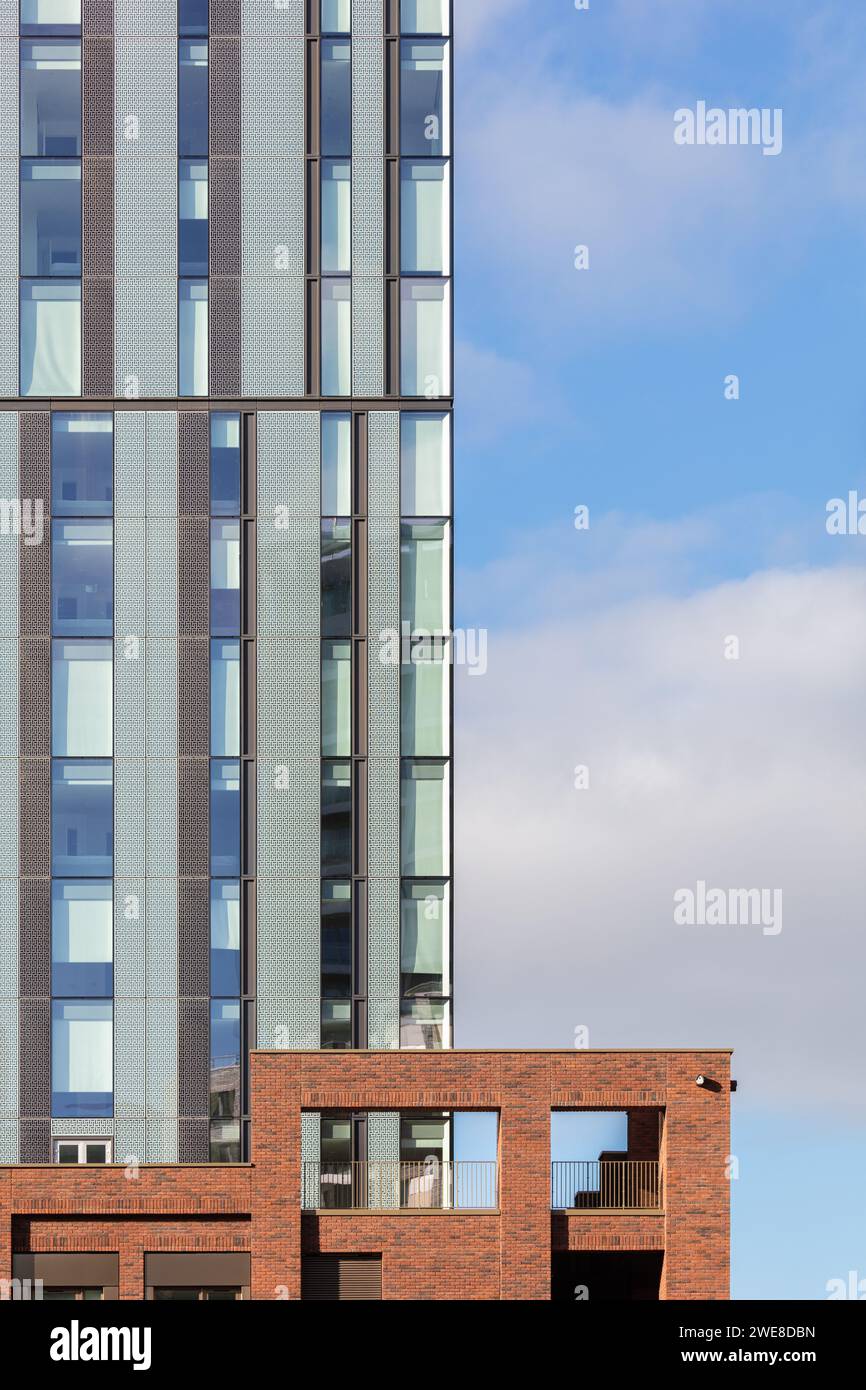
336	198
192	199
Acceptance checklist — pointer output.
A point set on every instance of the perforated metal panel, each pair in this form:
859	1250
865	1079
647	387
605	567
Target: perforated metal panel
85	1128
161	436
146	212
9	545
161	1141
288	703
383	1136
161	933
368	336
383	463
288	938
130	783
145	337
287	1023
288	818
383	825
266	17
9	938
145	99
156	17
9	16
129	1059
9	1141
130	937
161	698
9	143
311	1152
272	216
8	217
272	96
161	576
130	445
130	665
368	18
8	1058
129	1141
8	336
288	451
383	948
8	695
368	217
162	1058
272	333
161	818
368	98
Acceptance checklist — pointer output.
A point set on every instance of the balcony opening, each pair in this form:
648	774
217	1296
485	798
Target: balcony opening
581	1276
606	1160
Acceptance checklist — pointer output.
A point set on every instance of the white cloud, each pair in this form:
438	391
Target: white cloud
744	774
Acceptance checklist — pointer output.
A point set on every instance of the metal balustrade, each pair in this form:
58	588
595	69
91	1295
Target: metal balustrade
617	1184
387	1186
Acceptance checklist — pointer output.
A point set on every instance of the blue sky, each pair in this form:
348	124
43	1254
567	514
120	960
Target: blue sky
605	387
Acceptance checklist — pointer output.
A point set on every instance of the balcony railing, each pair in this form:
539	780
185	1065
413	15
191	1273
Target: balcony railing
385	1186
621	1184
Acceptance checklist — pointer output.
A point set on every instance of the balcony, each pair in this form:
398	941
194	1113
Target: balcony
386	1186
606	1185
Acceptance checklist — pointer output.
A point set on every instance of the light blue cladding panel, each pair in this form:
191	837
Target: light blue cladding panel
383	1147
145	226
161	1142
130	783
8	1141
311	1152
9	16
272	96
272	216
129	1141
130	938
8	939
368	18
9	540
272	335
82	1128
9	138
130	444
383	768
368	199
161	435
160	928
131	17
161	1078
8	1059
288	728
129	1059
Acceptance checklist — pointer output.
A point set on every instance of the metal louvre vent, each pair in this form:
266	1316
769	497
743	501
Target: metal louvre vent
341	1278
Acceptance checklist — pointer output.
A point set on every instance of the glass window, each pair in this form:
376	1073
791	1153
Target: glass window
336	940
425	237
82	463
225	578
424	579
82	823
81	699
425	689
424	16
192	98
425	1137
336	1023
225	819
50	331
225	1058
225	1141
336	217
192	17
336	97
81	938
225	937
192	206
50	217
337	819
425	1024
336	16
82	1151
225	698
337	699
190	1295
425	464
192	338
51	98
425	341
336	337
337	464
51	16
225	463
81	1059
424	114
336	579
81	578
424	839
425	932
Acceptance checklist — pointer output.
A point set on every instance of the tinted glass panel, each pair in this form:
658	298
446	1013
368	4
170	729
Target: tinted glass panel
425	683
81	938
192	344
336	940
336	217
336	579
424	577
425	1024
425	337
50	337
337	819
423	102
225	694
336	98
50	98
225	1057
336	699
81	463
225	826
225	937
225	593
225	1141
225	463
82	828
424	217
424	841
50	217
192	17
424	16
336	1027
81	699
336	337
81	578
336	16
50	16
192	98
336	464
425	464
81	1059
424	938
192	244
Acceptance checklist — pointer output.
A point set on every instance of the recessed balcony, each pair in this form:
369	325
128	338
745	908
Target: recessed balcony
606	1185
430	1185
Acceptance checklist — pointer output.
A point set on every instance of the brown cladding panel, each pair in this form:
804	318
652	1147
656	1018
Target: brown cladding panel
34	947
35	1140
34	700
34	465
225	17
193	789
194	464
193	575
193	680
97	17
35	817
97	96
193	1139
224	199
194	936
194	1057
34	1072
97	319
224	314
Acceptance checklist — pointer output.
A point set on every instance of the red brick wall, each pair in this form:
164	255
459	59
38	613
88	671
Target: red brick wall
491	1255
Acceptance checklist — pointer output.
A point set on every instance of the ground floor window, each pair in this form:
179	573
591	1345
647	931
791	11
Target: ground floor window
196	1295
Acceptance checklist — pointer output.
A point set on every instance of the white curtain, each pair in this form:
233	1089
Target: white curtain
82	701
50	12
336	337
81	1048
425	328
336	218
424	16
225	431
225	918
192	193
424	217
81	926
337	700
50	338
225	709
226	555
193	338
